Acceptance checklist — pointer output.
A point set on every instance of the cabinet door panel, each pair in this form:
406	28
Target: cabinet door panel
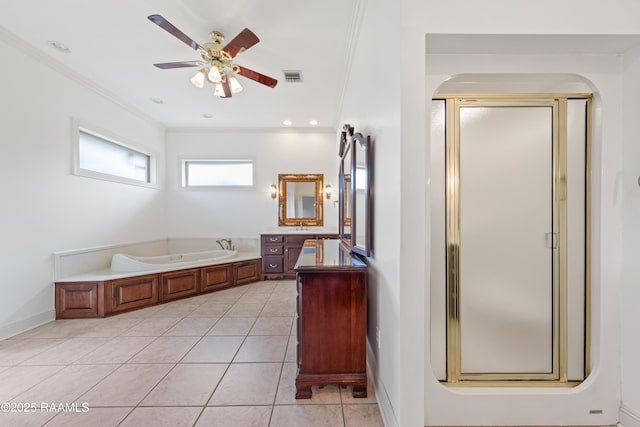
216	277
134	292
179	284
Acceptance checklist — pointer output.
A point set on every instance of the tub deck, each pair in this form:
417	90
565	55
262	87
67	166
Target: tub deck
105	293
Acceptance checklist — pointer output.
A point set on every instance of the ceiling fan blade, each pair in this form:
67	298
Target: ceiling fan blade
226	88
241	42
183	64
170	28
254	75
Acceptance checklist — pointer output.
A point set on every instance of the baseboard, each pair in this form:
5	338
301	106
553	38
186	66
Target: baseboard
629	417
384	404
15	328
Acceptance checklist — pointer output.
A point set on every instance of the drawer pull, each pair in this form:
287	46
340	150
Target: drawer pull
273	239
273	265
273	250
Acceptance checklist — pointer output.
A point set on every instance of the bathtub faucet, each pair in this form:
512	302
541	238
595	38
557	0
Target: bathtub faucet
225	244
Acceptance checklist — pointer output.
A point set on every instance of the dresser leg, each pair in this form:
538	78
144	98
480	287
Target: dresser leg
304	392
360	391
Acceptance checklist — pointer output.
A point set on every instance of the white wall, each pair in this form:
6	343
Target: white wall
629	189
419	18
246	213
372	106
45	208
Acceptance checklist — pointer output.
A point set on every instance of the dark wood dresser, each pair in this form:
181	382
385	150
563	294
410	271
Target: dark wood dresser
332	318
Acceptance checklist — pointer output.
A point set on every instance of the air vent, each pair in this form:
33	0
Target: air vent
292	76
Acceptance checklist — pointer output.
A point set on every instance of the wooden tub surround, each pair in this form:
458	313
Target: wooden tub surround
332	318
100	298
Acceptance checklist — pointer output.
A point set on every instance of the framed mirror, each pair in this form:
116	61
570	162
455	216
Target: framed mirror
361	194
300	200
344	188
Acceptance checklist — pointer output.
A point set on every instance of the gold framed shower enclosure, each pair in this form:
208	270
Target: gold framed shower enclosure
553	336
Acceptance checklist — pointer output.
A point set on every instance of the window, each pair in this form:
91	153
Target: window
217	173
100	157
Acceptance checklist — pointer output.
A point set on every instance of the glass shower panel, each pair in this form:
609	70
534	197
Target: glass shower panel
506	276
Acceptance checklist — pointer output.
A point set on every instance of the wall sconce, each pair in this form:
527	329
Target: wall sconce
328	191
273	189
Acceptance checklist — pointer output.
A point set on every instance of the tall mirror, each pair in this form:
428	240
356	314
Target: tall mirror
344	184
361	194
301	199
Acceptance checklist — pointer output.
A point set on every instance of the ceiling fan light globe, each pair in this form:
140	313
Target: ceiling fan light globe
219	91
198	79
214	74
235	85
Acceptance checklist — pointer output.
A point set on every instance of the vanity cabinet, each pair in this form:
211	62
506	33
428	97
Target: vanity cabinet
280	253
331	318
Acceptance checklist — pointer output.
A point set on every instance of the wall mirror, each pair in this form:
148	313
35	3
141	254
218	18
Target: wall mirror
355	191
344	190
361	194
300	200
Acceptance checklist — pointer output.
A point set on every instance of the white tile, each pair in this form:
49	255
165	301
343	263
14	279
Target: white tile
211	309
232	326
162	417
307	415
126	386
16	380
245	310
13	352
192	327
272	326
236	416
66	352
262	349
165	350
67	385
152	327
94	417
362	415
187	385
214	350
116	350
247	384
110	327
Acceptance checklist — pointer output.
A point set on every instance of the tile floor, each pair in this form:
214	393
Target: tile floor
220	359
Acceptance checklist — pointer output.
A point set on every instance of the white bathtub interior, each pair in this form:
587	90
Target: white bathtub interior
124	263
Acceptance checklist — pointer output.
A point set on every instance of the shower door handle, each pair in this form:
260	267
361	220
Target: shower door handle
551	240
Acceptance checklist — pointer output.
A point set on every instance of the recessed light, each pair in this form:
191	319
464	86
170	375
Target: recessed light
60	47
157	100
313	122
207	115
287	123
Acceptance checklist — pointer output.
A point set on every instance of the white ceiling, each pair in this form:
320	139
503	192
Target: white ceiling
114	46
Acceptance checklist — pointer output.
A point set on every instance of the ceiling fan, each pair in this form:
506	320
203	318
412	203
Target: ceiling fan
216	64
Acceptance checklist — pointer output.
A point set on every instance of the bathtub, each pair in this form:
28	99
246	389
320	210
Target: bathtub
123	263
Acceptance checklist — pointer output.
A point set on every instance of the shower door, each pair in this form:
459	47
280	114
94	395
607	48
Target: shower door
514	264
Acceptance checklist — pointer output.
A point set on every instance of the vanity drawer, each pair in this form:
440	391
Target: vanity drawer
272	264
272	250
298	240
271	238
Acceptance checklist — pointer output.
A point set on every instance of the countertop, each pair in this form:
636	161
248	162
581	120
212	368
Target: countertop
107	274
326	254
